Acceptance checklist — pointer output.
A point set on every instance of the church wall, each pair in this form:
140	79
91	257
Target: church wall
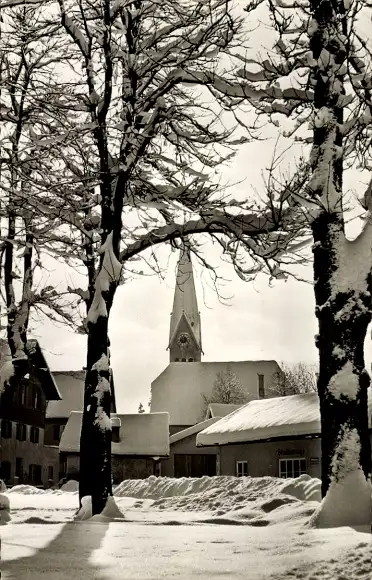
179	388
263	458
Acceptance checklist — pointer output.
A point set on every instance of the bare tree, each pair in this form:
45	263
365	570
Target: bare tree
141	408
294	379
227	389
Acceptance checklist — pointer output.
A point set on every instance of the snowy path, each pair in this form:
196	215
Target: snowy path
42	543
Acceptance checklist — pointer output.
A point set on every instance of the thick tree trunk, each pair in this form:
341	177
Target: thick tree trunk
95	439
343	310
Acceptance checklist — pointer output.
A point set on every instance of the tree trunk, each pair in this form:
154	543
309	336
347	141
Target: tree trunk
95	439
343	315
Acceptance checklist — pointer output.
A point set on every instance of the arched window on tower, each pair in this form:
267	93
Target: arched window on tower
191	360
183	360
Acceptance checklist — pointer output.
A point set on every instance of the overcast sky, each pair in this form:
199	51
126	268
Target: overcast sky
260	322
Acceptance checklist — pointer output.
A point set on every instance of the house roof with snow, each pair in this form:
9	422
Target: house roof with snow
220	409
144	434
180	388
290	416
71	387
38	361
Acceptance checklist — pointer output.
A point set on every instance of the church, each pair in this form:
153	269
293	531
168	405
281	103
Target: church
187	382
186	385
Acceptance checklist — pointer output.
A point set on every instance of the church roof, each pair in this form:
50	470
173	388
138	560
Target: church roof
179	389
289	416
144	434
185	302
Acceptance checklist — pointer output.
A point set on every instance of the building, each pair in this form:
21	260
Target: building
279	437
23	455
182	388
139	442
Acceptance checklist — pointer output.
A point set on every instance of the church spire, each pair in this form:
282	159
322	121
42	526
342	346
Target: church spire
185	331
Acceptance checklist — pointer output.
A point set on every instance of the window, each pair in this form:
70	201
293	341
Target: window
19	467
191	360
34	435
23	395
56	432
183	360
176	360
261	386
116	434
35	473
50	473
241	468
292	467
21	432
5	470
6	429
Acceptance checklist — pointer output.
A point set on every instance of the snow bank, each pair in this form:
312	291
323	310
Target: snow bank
347	503
110	513
71	485
2	486
27	490
219	493
4	509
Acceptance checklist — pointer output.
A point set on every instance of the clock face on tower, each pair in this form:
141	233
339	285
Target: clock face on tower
183	340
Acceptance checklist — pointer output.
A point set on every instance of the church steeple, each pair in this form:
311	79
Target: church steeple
185	330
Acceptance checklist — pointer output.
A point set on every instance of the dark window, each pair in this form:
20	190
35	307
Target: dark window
116	434
50	472
37	399
292	467
194	465
23	395
21	432
19	467
191	360
183	360
5	470
6	429
242	468
56	432
176	359
34	435
261	386
35	473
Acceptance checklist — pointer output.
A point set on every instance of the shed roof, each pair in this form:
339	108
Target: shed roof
221	409
140	434
289	416
192	430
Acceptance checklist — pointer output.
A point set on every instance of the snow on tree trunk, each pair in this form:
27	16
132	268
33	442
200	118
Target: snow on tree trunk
95	439
342	276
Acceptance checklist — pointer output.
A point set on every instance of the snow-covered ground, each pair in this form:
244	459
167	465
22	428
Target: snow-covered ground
251	528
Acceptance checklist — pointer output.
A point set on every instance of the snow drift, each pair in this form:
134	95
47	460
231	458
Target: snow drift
221	493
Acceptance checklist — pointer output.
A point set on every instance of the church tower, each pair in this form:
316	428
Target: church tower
185	331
